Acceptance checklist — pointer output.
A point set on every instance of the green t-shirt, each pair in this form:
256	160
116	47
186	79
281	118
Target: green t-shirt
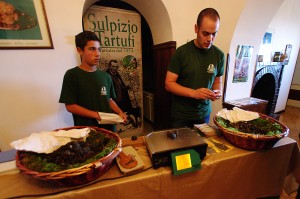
91	90
196	68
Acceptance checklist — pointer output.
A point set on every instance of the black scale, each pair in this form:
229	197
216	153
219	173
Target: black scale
161	144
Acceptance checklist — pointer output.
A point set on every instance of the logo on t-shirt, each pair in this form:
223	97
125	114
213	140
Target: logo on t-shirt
103	91
210	68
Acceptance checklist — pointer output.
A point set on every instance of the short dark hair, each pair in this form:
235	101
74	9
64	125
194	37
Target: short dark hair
82	38
207	12
112	61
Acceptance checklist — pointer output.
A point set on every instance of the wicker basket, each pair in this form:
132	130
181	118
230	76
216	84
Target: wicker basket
79	175
253	141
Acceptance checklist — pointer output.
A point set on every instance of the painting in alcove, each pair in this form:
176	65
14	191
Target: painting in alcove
266	48
242	61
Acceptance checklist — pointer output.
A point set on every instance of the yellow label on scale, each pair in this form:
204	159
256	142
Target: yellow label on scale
183	161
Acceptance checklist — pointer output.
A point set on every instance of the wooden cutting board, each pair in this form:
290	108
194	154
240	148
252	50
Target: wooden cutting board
131	152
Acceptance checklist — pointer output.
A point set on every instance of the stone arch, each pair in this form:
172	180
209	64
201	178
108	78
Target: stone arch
263	71
266	86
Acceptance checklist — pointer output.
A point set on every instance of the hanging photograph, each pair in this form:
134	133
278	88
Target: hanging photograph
23	25
119	32
287	53
242	62
264	54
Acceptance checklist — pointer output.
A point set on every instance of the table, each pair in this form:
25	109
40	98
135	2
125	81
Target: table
238	173
248	103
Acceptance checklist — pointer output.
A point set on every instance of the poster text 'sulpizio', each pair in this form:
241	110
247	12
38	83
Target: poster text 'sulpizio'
121	56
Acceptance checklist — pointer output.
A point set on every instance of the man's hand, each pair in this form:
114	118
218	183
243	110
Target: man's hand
203	93
123	116
207	94
218	94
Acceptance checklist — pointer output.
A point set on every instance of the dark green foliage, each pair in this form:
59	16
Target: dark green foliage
258	126
72	155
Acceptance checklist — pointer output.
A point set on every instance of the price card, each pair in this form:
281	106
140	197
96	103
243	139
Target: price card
185	161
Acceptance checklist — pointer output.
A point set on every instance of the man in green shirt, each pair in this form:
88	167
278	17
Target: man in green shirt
194	75
86	90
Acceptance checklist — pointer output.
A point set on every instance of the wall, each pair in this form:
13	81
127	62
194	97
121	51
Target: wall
296	82
243	35
279	17
296	78
295	88
286	31
31	79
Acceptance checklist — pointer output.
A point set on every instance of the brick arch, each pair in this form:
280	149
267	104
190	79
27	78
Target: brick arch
266	86
261	72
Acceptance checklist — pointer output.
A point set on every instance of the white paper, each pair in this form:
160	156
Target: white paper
109	118
237	115
73	133
43	142
48	141
8	167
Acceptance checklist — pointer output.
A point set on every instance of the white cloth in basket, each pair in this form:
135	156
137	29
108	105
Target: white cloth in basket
237	115
48	141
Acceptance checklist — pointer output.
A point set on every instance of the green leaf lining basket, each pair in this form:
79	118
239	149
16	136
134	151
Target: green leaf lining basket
79	175
253	141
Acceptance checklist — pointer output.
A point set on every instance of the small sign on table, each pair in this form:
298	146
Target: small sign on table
185	161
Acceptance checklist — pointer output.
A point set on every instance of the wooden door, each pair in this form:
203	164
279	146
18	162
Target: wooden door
162	54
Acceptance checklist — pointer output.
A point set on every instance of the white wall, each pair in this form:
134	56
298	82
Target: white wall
279	16
249	31
30	80
183	24
295	83
296	78
286	31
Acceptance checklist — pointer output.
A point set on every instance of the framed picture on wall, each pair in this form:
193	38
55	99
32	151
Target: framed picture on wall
242	62
287	53
24	25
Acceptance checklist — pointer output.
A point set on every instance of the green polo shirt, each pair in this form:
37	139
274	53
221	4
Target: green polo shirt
196	68
91	90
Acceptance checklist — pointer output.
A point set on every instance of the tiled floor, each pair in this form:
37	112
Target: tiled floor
290	117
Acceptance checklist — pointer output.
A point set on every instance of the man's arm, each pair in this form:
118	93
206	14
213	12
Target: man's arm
173	87
217	87
84	112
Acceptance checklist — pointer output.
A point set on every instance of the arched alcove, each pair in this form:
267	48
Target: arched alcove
155	14
265	88
161	49
249	30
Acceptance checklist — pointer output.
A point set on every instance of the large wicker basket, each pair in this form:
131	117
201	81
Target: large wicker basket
253	141
80	175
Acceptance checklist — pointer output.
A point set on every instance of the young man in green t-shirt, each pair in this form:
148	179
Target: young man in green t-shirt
194	75
86	91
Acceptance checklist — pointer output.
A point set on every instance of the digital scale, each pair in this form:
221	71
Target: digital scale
162	145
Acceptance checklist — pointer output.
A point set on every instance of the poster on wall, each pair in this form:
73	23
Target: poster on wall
119	32
242	62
